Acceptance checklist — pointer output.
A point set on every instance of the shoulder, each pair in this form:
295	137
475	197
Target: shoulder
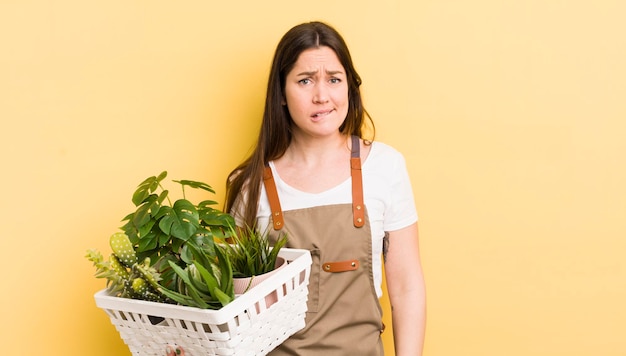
383	154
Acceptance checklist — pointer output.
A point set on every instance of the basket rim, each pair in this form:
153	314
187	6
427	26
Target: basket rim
299	260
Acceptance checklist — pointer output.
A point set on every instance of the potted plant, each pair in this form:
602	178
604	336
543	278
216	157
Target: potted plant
166	252
253	256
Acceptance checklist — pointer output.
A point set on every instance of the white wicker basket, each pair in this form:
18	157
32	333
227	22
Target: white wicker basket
246	326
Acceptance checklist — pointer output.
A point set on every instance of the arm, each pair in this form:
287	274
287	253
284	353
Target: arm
405	285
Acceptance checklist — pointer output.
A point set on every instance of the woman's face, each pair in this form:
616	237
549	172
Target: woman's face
316	93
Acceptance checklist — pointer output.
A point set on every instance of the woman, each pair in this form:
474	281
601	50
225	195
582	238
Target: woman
304	178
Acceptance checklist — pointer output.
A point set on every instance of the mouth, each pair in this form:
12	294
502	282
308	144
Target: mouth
321	114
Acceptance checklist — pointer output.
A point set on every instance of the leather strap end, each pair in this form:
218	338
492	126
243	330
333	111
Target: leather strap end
341	266
358	215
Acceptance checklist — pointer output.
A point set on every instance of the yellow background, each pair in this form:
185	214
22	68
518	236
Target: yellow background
511	116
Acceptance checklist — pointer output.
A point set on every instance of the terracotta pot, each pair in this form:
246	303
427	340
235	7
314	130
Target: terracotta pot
242	285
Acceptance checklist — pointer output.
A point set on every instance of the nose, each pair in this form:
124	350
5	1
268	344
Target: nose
320	94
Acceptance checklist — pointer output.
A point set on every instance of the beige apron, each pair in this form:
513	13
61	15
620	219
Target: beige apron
344	316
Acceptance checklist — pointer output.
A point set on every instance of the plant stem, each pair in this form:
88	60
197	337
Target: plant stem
168	196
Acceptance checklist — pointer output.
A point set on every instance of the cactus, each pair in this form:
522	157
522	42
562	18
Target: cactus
125	276
123	249
199	286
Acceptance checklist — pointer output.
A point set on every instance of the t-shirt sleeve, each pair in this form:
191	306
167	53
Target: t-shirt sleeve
401	211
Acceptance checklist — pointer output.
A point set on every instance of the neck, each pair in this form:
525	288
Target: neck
314	150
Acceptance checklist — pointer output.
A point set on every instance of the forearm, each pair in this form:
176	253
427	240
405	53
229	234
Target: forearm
409	322
407	292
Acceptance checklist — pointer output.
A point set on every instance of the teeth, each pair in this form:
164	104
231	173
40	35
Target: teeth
320	114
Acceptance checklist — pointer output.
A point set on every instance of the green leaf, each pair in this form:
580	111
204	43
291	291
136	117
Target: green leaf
201	255
143	212
162	176
177	244
226	268
146	228
146	187
195	184
219	233
162	238
147	242
179	271
130	230
185	254
159	201
197	283
169	277
191	290
211	216
208	277
178	297
140	195
223	297
182	221
251	253
197	298
129	217
163	211
206	204
143	191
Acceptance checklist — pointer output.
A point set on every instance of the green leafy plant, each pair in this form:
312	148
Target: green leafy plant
204	284
252	253
163	231
167	251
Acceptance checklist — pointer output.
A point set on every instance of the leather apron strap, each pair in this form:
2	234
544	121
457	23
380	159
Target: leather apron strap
358	207
272	196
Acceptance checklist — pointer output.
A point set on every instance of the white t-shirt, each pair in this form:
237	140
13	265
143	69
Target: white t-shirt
386	191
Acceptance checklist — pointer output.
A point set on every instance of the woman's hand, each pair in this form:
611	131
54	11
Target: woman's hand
171	351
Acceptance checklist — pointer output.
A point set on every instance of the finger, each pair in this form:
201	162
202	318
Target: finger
169	351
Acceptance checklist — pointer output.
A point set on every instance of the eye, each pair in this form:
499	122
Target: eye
335	80
304	81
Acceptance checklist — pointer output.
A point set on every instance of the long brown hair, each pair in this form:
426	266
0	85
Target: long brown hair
275	133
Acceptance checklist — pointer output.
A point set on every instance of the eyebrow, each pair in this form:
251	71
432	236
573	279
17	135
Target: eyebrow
311	73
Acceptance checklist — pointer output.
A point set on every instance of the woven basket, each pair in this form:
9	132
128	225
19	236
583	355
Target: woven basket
246	326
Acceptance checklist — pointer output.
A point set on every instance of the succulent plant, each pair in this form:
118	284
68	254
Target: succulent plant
126	277
204	284
251	252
